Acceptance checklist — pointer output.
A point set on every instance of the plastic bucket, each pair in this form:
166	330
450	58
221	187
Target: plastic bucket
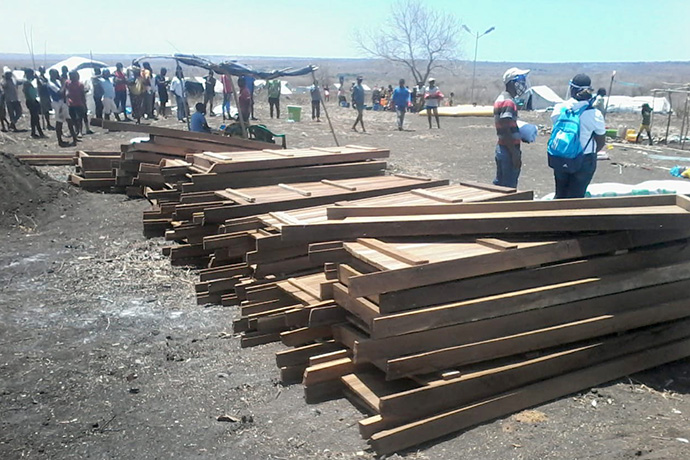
294	112
612	133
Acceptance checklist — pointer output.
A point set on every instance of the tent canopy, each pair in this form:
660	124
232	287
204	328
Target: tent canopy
539	98
78	63
627	104
231	67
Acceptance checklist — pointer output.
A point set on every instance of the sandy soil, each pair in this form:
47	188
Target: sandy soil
104	354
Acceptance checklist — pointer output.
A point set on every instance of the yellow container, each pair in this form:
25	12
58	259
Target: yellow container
631	135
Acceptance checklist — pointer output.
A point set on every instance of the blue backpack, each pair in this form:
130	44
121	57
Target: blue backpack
565	152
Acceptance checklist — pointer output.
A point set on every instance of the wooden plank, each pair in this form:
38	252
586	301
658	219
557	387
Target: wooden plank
391	251
520	301
330	356
237	193
259	339
330	370
393	280
398	438
536	340
301	355
495	243
465	388
499	283
351	188
372	350
303	336
434	196
294	189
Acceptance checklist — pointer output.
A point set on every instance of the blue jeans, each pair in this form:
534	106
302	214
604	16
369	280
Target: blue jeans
574	185
506	174
181	109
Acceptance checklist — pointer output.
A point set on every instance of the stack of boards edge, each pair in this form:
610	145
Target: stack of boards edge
435	334
247	250
224	182
158	164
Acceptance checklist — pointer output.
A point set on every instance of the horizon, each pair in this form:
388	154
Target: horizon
522	32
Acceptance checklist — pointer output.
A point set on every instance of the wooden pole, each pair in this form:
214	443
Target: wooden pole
237	104
670	113
682	126
606	108
323	104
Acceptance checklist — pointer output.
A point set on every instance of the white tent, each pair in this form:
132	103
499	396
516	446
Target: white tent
78	63
627	104
539	98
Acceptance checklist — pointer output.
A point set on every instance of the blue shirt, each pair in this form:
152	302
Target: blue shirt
108	88
358	95
198	123
401	96
250	83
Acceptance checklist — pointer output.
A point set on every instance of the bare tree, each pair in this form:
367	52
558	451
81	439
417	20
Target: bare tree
416	36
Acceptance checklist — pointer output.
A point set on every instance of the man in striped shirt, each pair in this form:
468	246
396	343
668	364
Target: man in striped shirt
508	155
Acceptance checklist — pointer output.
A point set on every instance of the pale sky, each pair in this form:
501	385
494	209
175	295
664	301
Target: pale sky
526	31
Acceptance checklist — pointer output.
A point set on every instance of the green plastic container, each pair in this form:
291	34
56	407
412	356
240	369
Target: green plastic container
294	113
612	133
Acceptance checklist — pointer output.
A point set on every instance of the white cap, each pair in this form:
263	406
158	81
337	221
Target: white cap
513	73
6	69
431	79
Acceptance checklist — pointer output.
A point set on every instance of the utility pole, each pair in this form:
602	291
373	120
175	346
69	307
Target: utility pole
476	47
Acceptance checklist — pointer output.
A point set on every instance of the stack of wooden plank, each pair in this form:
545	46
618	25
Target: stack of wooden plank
160	162
252	246
53	159
95	171
205	211
439	318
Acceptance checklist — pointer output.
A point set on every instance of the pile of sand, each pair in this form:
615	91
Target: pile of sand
25	193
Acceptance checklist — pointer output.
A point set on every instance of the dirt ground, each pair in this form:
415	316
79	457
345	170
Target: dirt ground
104	354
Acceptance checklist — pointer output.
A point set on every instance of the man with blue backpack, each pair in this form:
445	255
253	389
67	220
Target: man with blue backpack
578	134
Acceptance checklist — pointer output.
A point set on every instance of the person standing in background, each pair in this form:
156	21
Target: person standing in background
401	99
108	96
149	93
646	123
358	103
120	82
4	125
32	104
76	100
249	80
178	90
97	92
245	99
273	89
56	87
432	99
44	97
209	92
315	92
161	83
227	96
14	107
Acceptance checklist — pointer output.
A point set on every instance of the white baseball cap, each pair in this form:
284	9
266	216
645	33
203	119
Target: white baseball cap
512	73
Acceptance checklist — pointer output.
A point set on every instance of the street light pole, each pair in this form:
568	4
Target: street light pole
476	48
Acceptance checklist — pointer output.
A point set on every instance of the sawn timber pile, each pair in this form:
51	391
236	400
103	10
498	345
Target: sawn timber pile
502	307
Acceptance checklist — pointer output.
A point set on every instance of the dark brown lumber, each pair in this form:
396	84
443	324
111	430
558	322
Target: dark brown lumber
537	339
363	308
185	135
487	285
490	187
301	355
435	196
303	336
330	356
391	251
330	370
292	374
580	220
524	300
341	212
372	350
326	315
258	338
465	388
585	246
495	243
398	438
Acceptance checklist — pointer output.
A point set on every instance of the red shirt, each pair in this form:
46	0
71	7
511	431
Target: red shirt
505	119
76	97
120	81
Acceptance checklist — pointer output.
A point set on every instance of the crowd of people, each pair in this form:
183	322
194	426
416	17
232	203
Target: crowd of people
62	95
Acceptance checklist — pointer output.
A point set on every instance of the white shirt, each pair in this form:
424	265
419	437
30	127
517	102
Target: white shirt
591	121
177	87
